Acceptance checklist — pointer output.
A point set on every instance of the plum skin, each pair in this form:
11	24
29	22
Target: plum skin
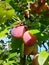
17	32
29	39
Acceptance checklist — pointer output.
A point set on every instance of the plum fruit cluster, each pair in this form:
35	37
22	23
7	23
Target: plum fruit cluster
29	39
37	8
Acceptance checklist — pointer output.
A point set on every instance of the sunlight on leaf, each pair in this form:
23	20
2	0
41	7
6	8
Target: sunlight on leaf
2	33
1	61
35	31
43	57
6	12
12	55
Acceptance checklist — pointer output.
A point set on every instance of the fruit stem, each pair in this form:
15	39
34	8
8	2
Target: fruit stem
22	56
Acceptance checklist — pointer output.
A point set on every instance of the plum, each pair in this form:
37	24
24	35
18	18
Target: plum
29	39
18	32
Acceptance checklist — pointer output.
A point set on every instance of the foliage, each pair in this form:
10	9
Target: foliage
23	12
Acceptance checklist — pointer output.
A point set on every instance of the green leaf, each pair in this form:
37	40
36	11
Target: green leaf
12	55
29	1
16	43
40	36
47	61
11	62
6	64
10	13
6	12
1	61
43	58
1	51
35	31
2	33
8	1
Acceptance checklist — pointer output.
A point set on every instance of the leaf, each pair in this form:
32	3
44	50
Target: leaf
1	61
40	36
8	1
43	57
6	11
47	61
1	51
12	55
29	1
10	13
35	31
2	33
6	64
11	62
16	43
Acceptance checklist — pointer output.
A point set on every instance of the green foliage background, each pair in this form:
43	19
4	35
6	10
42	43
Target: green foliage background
12	11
